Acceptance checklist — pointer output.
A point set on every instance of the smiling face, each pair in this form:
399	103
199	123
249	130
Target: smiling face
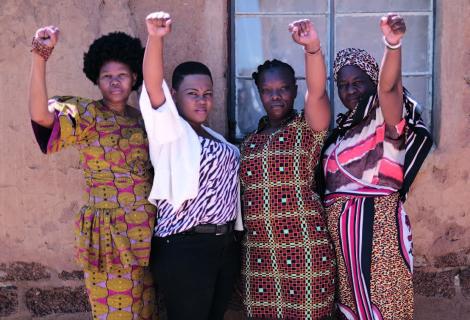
194	99
115	82
353	86
277	90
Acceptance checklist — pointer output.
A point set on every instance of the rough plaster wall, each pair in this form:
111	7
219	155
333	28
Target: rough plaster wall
438	206
39	195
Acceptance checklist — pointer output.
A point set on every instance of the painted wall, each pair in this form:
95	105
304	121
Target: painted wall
39	195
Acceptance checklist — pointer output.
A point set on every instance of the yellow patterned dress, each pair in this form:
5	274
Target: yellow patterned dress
114	228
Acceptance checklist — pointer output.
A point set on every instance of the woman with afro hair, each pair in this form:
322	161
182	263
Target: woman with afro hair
113	229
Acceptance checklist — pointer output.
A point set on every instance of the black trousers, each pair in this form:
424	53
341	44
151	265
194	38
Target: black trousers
196	274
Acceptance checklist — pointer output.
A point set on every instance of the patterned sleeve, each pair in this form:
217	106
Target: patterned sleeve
318	137
391	132
73	117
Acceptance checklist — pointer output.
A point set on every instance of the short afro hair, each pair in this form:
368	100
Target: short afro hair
186	68
118	47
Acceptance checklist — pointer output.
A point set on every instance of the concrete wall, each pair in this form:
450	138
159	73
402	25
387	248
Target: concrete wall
438	208
39	195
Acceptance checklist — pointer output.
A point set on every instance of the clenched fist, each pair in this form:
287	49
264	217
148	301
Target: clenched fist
393	28
303	32
47	36
158	24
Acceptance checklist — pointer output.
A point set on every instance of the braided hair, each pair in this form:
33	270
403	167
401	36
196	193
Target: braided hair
272	64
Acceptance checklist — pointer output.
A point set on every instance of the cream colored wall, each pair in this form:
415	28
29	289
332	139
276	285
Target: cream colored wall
40	194
438	204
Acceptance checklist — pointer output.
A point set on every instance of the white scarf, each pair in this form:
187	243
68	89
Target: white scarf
175	153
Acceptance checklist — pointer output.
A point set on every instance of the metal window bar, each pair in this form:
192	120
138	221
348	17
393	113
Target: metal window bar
331	16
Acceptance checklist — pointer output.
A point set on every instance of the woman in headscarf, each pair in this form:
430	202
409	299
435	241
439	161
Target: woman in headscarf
369	162
113	229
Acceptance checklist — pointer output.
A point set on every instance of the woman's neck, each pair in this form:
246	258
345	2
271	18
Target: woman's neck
197	127
119	108
277	123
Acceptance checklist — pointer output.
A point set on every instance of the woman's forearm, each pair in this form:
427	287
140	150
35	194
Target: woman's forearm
390	88
38	93
317	104
315	70
390	70
158	26
153	70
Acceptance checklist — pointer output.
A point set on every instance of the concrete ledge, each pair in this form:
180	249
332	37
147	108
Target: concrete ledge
8	300
41	302
73	275
23	271
434	284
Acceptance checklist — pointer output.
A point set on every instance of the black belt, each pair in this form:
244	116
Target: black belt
211	228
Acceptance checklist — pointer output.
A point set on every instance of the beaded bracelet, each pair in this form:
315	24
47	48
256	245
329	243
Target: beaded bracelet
41	49
391	46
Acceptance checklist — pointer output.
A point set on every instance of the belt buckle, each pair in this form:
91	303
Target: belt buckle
218	229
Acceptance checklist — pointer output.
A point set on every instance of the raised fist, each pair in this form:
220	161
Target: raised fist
47	36
158	23
303	32
393	28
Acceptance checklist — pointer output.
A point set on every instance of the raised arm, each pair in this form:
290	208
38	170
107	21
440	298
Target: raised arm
158	26
44	41
317	104
390	88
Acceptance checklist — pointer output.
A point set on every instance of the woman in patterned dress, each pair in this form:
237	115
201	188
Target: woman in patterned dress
114	228
369	162
194	255
288	266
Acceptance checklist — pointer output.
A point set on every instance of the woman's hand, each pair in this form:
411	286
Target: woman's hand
317	104
393	28
303	32
47	36
44	40
390	87
158	24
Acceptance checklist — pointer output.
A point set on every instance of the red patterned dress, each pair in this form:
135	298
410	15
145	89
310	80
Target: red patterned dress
288	268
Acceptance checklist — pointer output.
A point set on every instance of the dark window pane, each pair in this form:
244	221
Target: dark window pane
364	33
342	6
316	6
420	90
264	38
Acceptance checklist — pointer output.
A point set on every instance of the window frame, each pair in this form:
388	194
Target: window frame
329	51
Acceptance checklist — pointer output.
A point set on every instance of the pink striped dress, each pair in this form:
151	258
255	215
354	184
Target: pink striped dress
364	170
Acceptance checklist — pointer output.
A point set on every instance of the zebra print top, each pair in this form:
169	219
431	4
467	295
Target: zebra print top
216	201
